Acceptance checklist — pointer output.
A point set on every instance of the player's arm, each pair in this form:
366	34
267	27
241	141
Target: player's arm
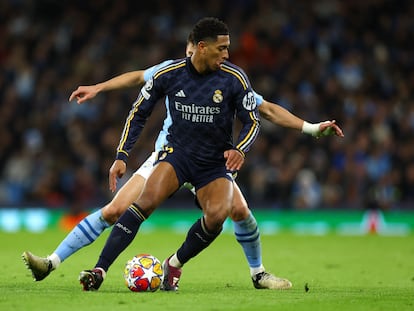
280	116
141	109
248	114
126	80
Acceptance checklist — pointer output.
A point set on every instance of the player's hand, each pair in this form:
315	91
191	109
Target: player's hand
116	171
234	159
328	128
83	93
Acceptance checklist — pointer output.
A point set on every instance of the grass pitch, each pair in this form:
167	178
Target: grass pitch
328	273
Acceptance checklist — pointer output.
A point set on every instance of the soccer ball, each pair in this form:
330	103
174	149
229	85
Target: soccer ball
143	273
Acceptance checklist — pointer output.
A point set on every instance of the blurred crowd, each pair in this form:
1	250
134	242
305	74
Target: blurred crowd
351	61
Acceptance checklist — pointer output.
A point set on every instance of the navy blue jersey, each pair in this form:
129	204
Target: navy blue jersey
202	109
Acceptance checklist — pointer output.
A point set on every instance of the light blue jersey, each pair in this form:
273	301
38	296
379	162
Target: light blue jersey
162	136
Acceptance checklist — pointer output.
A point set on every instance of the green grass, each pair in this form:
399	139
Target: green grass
342	273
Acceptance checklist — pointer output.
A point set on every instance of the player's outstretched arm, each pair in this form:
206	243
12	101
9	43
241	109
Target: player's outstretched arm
126	80
280	116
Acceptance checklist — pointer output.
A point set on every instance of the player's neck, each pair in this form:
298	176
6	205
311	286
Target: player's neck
198	66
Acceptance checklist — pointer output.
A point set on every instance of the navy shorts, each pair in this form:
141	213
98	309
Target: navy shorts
188	170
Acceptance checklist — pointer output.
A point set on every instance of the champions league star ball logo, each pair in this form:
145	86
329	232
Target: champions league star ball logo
146	88
217	97
149	84
249	101
143	273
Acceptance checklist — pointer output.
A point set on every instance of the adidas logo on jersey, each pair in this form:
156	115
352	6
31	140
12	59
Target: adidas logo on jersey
180	94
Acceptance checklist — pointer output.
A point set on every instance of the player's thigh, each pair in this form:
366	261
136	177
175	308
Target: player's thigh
125	196
146	168
216	198
161	184
239	208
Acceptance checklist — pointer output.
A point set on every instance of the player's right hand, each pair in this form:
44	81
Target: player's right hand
83	93
234	160
329	128
116	171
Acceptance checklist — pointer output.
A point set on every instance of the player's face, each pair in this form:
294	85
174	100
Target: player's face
211	54
217	52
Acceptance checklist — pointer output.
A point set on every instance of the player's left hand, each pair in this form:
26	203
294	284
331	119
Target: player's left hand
234	159
84	93
328	128
116	171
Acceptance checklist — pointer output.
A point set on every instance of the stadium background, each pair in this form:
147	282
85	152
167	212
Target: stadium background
324	59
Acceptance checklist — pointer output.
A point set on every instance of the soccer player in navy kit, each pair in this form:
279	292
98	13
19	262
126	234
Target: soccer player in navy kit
205	92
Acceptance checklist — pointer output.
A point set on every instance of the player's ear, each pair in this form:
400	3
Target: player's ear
201	45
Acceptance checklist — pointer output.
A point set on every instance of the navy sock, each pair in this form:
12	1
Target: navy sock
122	234
198	238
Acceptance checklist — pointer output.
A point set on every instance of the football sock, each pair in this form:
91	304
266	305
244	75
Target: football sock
248	236
122	234
103	272
85	232
198	238
54	258
173	261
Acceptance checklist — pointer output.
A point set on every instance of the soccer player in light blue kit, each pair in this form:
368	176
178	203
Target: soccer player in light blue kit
245	226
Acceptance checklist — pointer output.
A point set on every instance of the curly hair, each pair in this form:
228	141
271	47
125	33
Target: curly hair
208	28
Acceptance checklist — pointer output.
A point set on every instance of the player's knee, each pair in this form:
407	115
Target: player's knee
112	212
239	211
214	218
148	204
213	225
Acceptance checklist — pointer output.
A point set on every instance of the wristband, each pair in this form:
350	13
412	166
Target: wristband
310	128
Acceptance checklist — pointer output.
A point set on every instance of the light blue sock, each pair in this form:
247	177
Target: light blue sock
247	234
85	232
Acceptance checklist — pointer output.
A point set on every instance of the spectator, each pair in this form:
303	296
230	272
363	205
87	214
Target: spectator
316	58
